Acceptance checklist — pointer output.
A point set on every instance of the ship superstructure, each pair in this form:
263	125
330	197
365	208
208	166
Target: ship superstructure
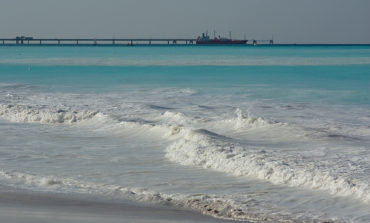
205	39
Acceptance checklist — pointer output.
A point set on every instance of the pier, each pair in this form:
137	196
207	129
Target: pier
24	41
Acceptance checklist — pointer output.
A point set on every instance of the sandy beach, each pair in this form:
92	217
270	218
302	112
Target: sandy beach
33	207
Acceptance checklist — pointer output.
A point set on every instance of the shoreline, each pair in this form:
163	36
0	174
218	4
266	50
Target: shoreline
18	206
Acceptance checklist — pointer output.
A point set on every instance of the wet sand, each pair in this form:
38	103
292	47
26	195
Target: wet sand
32	207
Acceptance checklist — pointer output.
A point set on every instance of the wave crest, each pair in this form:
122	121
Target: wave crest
27	114
199	148
249	121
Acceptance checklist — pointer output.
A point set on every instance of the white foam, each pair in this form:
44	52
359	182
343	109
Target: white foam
242	122
93	119
208	150
206	204
176	118
27	114
161	131
181	122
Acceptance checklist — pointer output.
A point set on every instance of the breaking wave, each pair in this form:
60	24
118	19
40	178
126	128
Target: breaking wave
210	150
242	122
28	114
189	144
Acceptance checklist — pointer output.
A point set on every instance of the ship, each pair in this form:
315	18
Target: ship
205	39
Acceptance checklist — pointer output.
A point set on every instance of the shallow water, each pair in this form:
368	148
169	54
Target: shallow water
249	133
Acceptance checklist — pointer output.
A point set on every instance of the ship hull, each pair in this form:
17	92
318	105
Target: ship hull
222	42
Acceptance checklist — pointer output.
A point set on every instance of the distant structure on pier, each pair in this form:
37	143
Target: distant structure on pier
21	39
206	40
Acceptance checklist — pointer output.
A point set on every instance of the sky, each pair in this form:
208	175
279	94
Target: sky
287	21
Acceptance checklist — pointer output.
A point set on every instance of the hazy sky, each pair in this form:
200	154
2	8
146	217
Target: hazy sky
292	21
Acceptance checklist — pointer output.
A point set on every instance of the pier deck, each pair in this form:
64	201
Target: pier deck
93	41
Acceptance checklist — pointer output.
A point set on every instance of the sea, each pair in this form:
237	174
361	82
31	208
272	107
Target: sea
249	133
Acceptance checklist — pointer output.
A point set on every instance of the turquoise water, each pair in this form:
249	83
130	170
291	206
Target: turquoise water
281	70
193	126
